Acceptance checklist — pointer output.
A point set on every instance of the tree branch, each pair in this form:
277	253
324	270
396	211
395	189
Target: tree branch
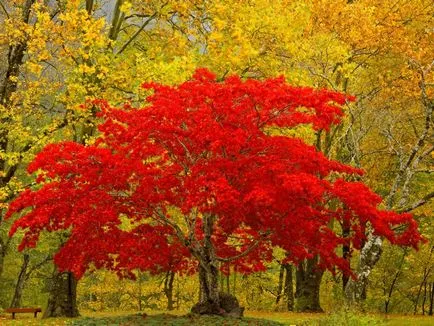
136	33
418	203
252	247
4	9
37	266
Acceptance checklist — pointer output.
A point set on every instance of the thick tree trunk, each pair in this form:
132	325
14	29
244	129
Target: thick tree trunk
62	298
168	289
211	302
288	289
208	280
21	281
308	282
208	271
209	288
209	298
355	290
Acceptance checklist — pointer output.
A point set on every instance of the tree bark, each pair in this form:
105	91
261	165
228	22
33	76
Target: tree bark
168	289
308	281
431	299
355	290
3	249
280	284
209	288
346	249
208	271
234	289
21	280
288	289
9	83
424	299
62	297
228	280
89	6
210	302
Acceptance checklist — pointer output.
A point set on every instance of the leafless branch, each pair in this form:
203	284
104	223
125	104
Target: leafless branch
4	9
133	37
418	203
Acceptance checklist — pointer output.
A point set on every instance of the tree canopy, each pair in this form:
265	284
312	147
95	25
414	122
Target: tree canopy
200	172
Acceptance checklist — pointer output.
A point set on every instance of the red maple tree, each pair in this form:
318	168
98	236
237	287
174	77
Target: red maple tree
197	175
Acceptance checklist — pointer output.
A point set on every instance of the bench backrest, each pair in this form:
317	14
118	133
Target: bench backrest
23	310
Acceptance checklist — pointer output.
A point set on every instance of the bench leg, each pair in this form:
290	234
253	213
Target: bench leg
36	314
13	315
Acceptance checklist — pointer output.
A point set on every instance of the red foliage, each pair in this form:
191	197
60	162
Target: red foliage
203	147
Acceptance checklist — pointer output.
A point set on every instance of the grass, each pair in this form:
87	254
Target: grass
287	318
252	319
133	319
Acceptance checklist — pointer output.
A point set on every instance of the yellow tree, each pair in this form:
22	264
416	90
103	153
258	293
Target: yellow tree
391	44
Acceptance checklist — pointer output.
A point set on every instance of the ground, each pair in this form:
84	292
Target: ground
252	319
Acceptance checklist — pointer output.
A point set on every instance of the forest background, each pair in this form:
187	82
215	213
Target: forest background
58	55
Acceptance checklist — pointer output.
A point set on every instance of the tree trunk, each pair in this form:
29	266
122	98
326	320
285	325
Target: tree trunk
355	290
168	289
209	285
8	85
2	259
222	279
289	290
209	295
228	280
234	289
424	299
208	271
280	284
431	299
139	297
3	249
21	280
62	297
178	295
308	281
426	273
210	302
345	253
393	284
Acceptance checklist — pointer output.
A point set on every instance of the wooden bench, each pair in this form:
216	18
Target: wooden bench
14	311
